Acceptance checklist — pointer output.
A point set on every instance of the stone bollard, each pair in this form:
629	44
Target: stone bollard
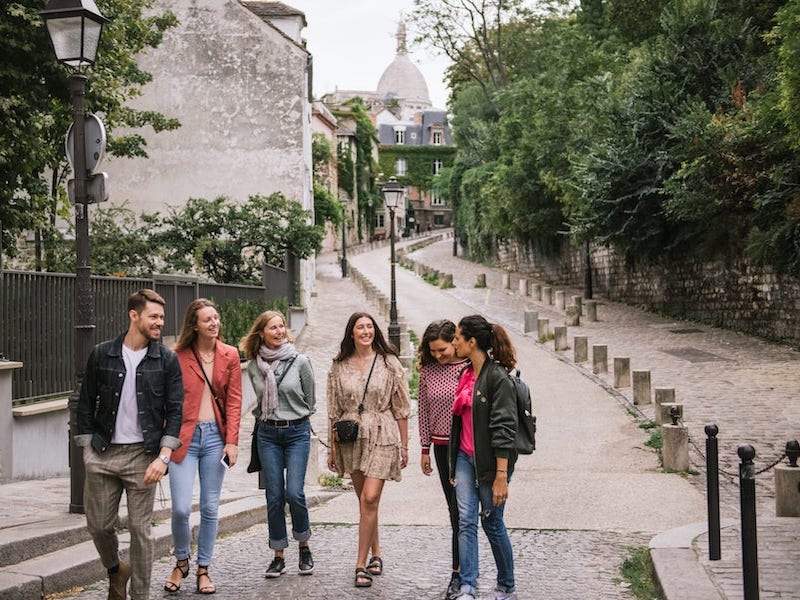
312	467
560	340
641	388
418	269
531	322
523	287
591	310
561	300
480	280
446	281
544	329
663	396
666	411
622	372
505	282
578	301
547	295
536	291
787	484
573	317
581	345
599	359
675	447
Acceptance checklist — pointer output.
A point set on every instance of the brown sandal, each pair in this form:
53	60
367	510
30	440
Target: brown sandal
206	589
362	578
182	566
375	566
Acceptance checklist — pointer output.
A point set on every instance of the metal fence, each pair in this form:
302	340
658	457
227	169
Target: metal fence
37	316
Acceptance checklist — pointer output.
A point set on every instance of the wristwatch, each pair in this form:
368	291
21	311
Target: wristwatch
164	458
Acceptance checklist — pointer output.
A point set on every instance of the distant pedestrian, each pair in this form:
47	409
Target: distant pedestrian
212	408
128	421
482	449
439	374
368	408
284	384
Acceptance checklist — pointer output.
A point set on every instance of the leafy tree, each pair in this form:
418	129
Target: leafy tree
229	242
35	104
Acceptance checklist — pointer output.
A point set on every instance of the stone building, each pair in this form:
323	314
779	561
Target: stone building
236	74
415	141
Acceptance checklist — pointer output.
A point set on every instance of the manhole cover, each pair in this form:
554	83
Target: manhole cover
686	330
693	355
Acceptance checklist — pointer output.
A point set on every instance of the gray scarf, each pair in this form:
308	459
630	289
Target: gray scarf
267	357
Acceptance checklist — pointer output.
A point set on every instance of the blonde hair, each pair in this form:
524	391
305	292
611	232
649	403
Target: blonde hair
188	334
251	342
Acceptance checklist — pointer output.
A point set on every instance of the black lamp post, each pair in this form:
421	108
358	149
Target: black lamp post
344	245
393	196
75	27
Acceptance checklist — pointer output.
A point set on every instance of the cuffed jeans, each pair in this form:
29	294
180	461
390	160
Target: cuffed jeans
203	457
285	450
470	496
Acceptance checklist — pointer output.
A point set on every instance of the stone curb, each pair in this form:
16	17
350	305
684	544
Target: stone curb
79	565
677	569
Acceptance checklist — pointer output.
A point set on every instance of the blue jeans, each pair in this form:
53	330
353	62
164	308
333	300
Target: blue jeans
285	450
469	496
203	457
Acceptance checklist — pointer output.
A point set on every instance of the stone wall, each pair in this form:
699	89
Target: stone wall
735	295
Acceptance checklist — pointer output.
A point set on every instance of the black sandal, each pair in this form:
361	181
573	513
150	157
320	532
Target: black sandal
180	565
206	589
362	578
375	566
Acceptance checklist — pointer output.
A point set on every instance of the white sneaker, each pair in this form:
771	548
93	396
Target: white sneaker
498	595
466	596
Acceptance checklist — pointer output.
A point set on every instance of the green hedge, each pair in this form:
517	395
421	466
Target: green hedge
238	315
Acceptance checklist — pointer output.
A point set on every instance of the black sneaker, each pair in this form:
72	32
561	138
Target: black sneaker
306	561
454	588
276	568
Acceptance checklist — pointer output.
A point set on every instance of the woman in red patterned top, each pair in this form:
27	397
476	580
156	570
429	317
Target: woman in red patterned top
439	372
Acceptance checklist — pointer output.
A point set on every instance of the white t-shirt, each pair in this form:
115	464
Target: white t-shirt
127	429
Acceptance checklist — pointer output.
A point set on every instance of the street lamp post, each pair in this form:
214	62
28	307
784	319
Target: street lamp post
588	292
393	196
344	246
75	27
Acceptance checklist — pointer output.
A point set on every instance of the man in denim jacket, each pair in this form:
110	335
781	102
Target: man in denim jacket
128	421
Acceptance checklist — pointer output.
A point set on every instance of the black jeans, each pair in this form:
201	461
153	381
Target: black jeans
443	466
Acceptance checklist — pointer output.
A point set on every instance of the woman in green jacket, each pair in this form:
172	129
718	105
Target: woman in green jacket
483	450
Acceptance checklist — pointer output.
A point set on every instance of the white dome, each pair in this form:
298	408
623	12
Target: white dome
403	80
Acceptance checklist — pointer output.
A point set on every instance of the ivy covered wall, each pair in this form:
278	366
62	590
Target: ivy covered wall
419	163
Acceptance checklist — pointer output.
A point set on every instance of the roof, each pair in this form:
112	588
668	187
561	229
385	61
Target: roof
403	80
264	9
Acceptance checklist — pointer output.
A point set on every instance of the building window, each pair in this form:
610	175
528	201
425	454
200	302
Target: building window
399	136
436	200
438	220
380	220
437	138
400	167
437	166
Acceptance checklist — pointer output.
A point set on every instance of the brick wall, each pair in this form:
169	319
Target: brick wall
735	295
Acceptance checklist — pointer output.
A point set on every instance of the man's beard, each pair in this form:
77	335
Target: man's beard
145	331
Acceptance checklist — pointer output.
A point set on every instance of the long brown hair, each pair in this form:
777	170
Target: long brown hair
188	335
438	330
491	338
251	342
348	346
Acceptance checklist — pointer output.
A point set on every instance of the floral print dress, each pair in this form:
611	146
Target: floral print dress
376	451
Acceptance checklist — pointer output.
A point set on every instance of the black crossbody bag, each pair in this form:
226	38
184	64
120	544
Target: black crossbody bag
346	429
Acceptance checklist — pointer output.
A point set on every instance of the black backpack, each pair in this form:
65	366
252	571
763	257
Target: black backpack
526	429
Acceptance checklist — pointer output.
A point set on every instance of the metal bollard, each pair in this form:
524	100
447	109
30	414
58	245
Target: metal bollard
712	483
747	499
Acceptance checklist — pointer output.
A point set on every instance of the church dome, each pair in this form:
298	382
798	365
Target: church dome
402	79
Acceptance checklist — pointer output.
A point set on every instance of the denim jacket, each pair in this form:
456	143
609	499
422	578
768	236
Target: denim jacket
159	394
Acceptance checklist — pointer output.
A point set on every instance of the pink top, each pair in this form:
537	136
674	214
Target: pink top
437	389
462	407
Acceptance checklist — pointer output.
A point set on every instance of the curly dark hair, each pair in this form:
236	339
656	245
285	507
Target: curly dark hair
491	338
438	330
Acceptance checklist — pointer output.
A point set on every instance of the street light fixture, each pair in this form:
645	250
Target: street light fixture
394	197
75	27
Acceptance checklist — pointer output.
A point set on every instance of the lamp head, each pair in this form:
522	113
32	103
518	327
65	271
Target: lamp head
393	194
74	27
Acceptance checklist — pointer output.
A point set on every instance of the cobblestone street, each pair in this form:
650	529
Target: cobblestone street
746	385
551	565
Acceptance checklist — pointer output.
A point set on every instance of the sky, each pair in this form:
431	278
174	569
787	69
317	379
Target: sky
353	42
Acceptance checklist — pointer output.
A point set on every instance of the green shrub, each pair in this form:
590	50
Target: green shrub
237	316
637	570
